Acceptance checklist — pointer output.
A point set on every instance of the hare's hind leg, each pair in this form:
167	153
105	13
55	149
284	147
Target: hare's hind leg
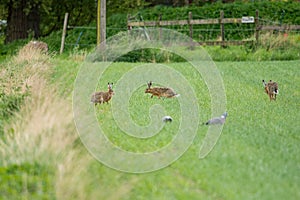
101	100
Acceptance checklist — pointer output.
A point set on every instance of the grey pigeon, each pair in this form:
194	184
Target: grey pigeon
217	120
167	119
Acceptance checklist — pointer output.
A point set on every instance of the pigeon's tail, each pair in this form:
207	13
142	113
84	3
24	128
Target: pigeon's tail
167	119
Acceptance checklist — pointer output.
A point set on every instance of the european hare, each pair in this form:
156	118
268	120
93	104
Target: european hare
271	89
160	91
102	97
42	46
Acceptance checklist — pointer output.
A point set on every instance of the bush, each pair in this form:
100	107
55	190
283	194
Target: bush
150	55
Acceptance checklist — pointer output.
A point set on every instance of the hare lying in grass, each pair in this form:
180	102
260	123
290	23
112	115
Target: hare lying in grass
160	91
271	89
102	97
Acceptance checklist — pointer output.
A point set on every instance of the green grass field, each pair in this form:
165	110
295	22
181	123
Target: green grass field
256	157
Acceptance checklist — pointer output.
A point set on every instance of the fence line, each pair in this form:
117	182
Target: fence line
190	23
217	21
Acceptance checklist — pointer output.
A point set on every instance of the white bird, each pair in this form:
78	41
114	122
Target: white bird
217	120
167	119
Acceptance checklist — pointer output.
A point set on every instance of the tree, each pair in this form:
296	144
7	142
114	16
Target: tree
23	19
35	18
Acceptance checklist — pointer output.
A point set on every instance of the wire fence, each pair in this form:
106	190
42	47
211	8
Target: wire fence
201	29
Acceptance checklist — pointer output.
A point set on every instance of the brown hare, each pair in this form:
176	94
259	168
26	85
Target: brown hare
271	88
160	91
38	45
102	97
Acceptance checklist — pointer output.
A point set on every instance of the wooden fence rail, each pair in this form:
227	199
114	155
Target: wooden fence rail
221	21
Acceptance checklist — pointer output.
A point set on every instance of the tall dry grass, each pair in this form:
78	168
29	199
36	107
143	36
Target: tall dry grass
43	133
39	128
17	73
43	130
272	41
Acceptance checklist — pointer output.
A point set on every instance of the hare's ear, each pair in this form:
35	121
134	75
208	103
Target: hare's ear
264	83
149	84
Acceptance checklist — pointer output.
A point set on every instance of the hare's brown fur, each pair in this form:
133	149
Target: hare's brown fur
271	88
42	46
103	97
160	91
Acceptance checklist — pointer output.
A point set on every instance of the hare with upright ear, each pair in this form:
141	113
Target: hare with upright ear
271	88
102	97
160	91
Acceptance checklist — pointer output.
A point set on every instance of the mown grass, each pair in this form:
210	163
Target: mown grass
256	156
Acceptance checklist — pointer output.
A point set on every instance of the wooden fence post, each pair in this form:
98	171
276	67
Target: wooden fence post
103	25
191	30
222	28
257	26
160	28
63	37
128	26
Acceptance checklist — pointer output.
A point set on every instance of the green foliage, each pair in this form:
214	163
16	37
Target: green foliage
9	104
12	48
53	13
11	94
116	22
274	12
32	181
150	55
277	12
84	14
124	6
